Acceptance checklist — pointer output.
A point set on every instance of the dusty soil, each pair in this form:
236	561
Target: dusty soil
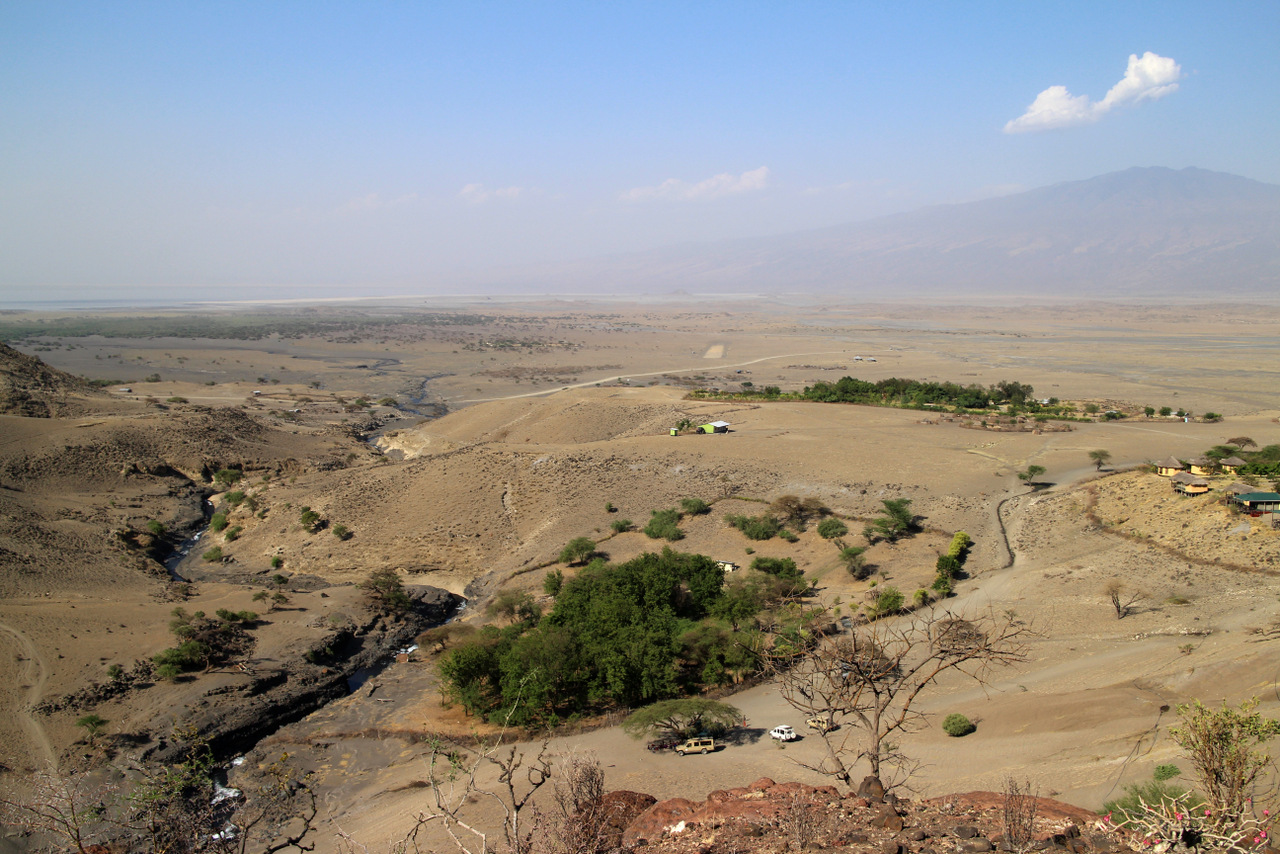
488	495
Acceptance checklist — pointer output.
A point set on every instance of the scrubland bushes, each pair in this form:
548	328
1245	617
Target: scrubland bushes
957	725
664	525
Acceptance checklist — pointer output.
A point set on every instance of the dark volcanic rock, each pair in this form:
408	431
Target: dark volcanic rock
233	721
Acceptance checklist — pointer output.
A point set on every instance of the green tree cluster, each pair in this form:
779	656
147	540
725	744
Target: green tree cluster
901	392
951	564
203	641
625	634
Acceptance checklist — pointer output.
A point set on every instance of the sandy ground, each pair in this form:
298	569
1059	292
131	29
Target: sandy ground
494	490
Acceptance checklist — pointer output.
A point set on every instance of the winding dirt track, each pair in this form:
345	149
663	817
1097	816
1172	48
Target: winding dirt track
33	673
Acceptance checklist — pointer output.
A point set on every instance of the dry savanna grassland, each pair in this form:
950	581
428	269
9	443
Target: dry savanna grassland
554	422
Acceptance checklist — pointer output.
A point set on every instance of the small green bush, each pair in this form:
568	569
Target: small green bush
233	533
755	527
959	545
783	567
957	725
226	477
664	525
620	525
1131	804
831	527
889	600
695	506
235	499
213	555
1166	772
155	528
342	532
217	522
948	566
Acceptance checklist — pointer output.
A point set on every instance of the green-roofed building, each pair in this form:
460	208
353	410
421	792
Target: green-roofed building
1258	502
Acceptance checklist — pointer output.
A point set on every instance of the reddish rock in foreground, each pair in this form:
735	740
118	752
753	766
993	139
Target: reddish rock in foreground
774	817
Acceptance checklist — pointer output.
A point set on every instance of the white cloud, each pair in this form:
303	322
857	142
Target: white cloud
477	194
712	188
1148	77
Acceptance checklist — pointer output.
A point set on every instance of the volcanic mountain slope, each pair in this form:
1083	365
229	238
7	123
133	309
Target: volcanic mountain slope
1178	233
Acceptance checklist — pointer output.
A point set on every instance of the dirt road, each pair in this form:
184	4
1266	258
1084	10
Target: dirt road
33	674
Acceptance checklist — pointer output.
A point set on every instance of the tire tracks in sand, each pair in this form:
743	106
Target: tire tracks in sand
34	674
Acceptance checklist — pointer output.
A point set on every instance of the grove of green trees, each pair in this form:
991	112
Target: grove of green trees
657	627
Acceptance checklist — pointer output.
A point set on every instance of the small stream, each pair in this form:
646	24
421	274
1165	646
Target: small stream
418	403
357	679
175	559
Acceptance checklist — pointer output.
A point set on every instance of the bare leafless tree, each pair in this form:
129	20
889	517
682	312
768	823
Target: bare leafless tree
1123	599
865	685
456	788
69	808
800	821
576	820
1020	805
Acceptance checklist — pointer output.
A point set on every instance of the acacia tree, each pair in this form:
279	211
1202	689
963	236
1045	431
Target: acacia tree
897	522
578	550
1031	473
1100	458
867	685
676	717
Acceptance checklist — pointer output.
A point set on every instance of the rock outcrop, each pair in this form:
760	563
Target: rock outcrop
769	816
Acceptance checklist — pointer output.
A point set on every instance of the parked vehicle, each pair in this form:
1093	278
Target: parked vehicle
821	724
696	745
783	733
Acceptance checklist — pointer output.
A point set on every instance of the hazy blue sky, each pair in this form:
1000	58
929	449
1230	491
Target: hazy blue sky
377	147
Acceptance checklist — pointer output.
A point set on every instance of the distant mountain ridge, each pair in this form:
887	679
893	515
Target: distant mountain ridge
1143	232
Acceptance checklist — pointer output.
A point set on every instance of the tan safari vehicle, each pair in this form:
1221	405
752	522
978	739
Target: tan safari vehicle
696	745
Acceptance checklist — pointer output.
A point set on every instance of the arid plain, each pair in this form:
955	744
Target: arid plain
558	407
